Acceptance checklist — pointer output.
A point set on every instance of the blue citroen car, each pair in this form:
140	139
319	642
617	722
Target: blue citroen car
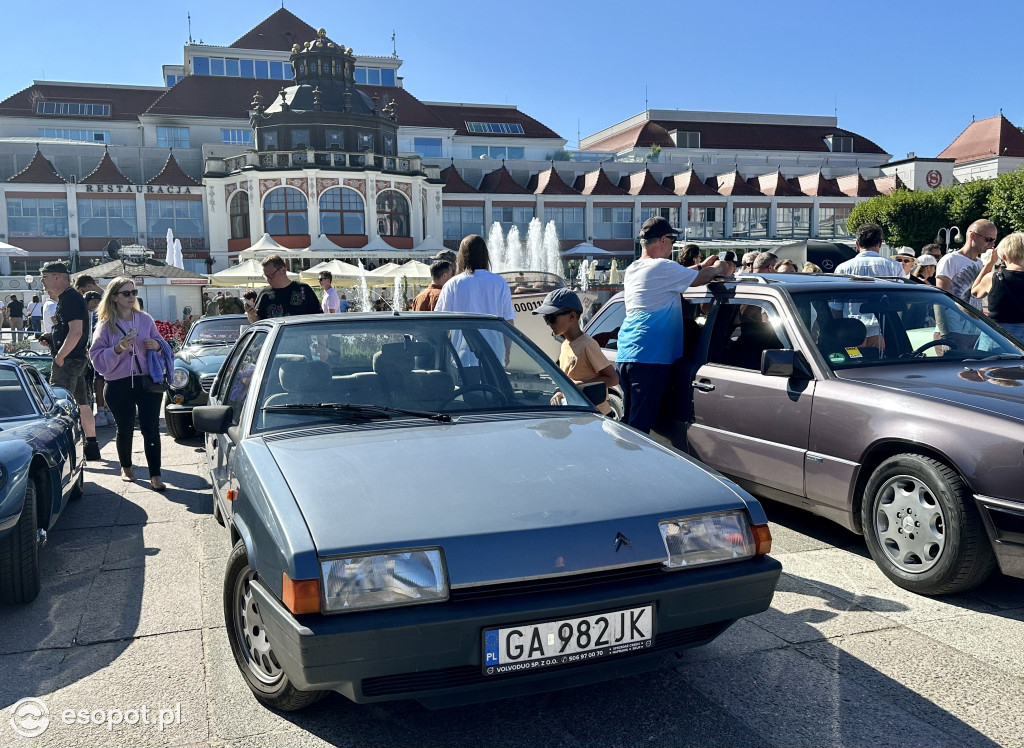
416	516
41	469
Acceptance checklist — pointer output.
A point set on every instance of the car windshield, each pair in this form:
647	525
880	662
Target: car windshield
858	328
216	331
407	366
14	400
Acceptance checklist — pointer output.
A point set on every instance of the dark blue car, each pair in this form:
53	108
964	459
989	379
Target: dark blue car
41	469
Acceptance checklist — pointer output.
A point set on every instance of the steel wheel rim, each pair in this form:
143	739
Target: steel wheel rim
250	634
909	524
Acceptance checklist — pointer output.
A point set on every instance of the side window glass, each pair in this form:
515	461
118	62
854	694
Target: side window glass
227	367
743	331
39	390
239	381
605	329
695	314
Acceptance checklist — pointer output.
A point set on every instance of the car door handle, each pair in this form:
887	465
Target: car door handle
703	385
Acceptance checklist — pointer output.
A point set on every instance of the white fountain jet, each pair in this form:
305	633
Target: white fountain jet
551	250
496	249
364	290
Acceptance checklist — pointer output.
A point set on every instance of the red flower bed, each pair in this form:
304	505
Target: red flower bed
173	330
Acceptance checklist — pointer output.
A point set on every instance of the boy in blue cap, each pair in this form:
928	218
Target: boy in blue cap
580	358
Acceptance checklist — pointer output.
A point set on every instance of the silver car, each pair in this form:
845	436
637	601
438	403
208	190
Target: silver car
413	518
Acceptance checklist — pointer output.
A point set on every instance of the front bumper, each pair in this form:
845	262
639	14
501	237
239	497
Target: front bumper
185	408
1004	523
433	653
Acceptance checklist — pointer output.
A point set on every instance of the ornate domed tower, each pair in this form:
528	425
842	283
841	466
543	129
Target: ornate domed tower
324	111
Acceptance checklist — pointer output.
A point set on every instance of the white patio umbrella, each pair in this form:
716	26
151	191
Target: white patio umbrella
169	255
414	272
248	273
179	257
585	250
9	250
343	274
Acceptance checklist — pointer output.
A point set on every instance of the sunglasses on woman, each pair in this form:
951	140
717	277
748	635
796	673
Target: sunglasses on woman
126	294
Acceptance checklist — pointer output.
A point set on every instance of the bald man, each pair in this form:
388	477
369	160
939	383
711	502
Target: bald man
956	274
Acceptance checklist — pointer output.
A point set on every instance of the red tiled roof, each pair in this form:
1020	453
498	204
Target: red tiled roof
731	184
411	111
643	135
500	182
687	183
549	182
38	171
596	183
126	102
279	31
456	117
854	185
994	136
749	136
172	174
106	173
815	185
453	182
889	184
774	185
643	183
214	96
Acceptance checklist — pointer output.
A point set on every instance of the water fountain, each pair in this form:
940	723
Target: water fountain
516	252
551	249
496	248
364	290
539	253
583	277
398	298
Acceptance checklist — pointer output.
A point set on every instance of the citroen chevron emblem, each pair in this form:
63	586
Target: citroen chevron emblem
622	540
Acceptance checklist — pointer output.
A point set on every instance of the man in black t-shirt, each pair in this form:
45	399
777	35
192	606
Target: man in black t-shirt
284	298
69	343
16	310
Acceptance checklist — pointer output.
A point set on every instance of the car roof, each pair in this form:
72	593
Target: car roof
375	316
810	282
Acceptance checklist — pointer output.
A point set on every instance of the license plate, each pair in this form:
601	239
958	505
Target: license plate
573	640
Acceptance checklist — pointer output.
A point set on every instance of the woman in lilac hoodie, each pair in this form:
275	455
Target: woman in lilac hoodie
124	334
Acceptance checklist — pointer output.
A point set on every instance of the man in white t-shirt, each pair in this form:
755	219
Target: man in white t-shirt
955	275
651	337
330	303
868	261
49	310
477	290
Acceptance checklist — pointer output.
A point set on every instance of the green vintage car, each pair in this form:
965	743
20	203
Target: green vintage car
196	365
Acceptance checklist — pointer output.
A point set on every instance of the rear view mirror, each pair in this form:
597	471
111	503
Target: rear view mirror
785	362
212	419
595	392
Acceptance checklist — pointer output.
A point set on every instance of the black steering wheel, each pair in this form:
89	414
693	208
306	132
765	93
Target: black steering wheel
460	391
931	344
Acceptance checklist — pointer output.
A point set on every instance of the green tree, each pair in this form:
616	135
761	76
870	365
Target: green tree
869	211
907	218
1006	202
968	202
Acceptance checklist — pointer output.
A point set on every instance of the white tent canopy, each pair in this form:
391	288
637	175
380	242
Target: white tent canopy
9	250
248	273
586	250
323	244
265	245
430	245
414	272
343	274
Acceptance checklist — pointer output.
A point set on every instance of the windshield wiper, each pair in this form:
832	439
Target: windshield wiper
370	411
998	357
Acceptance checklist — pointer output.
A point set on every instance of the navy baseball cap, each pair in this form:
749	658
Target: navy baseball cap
559	299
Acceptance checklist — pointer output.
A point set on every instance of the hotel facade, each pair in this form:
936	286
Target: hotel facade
289	132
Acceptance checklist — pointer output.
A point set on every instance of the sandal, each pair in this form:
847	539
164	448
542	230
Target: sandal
157	484
127	474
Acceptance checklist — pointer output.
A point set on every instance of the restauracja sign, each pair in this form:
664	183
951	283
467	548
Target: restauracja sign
149	189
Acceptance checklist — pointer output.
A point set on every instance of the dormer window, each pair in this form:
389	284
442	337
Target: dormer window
687	139
269	140
300	139
73	109
840	143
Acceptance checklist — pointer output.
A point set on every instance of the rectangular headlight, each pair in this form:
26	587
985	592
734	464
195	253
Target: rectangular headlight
384	580
707	539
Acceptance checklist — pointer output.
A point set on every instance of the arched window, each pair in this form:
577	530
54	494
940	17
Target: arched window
284	212
341	212
239	215
392	214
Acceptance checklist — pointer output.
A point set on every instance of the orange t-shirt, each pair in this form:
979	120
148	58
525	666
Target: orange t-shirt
426	299
581	359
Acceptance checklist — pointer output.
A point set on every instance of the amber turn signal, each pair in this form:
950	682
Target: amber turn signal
762	539
231	494
300	596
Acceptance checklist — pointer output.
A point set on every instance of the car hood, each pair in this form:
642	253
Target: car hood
204	359
993	386
506	499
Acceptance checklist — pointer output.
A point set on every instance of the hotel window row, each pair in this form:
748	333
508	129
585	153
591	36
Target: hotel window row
89	136
375	76
342	212
73	109
232	67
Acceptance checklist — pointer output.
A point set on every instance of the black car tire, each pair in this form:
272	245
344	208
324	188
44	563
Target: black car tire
79	488
179	425
965	558
253	652
615	403
19	554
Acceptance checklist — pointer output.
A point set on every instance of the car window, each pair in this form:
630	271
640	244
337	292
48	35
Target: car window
240	379
39	389
14	400
743	330
857	328
450	365
605	328
220	387
216	330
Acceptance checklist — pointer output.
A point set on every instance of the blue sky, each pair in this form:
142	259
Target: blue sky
907	74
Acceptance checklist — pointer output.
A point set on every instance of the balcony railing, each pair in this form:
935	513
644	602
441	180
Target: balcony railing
331	159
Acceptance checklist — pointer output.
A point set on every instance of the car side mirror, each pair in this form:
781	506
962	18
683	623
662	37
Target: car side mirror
595	392
212	419
785	362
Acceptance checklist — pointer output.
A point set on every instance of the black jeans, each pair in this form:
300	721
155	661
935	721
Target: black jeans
124	399
643	386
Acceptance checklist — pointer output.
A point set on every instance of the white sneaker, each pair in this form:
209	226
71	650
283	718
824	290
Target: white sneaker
101	418
109	415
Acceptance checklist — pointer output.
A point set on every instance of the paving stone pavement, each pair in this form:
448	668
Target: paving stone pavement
130	617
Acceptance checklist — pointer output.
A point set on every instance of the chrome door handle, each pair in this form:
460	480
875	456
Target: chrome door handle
703	386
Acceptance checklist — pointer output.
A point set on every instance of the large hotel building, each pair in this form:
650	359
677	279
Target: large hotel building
289	132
